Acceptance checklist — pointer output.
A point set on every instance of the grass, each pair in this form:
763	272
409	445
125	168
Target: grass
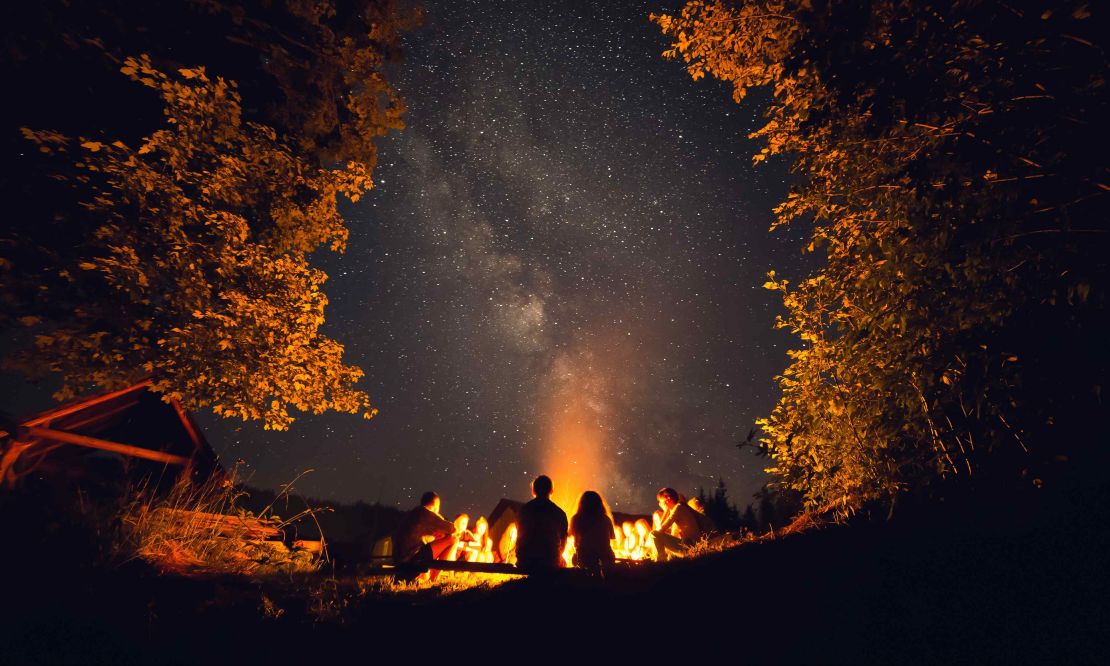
716	543
175	533
873	593
201	529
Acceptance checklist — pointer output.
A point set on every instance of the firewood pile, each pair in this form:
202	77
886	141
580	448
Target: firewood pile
245	527
195	542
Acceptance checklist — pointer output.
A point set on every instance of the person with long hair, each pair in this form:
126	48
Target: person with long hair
593	530
679	518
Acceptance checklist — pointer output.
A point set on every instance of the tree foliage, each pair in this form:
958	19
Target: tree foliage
950	161
187	256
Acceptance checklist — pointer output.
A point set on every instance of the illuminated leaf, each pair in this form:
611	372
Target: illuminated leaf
917	178
196	245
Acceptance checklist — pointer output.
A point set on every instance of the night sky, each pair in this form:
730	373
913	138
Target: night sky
557	272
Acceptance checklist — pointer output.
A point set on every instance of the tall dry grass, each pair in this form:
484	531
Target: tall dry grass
201	529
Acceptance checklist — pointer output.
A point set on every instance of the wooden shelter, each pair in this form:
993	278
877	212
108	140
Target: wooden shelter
134	423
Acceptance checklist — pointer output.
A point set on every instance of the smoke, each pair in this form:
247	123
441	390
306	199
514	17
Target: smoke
581	430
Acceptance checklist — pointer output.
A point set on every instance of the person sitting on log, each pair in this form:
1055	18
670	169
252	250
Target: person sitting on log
423	534
593	531
542	531
684	520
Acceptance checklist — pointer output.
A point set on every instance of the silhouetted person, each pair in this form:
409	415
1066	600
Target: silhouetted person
542	531
705	524
684	521
423	534
593	531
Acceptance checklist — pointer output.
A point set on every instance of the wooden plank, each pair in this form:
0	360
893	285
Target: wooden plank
191	430
102	416
387	565
105	445
7	462
85	404
187	422
474	567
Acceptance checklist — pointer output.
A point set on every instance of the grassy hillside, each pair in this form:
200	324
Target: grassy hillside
1021	580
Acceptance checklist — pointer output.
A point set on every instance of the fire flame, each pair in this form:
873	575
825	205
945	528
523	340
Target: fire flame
631	542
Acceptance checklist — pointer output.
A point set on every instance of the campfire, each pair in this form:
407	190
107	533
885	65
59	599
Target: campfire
575	458
480	547
630	542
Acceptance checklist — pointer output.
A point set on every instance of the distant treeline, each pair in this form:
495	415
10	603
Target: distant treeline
360	523
773	508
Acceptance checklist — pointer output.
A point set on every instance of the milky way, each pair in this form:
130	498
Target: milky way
559	271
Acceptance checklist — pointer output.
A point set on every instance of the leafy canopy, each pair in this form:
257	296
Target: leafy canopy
186	257
949	161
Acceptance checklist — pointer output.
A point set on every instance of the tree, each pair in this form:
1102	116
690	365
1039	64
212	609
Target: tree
186	258
749	521
777	507
949	159
723	513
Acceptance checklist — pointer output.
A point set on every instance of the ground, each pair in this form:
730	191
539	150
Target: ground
1018	581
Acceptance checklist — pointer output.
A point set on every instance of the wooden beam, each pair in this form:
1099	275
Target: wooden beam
386	564
7	462
187	422
476	567
84	404
105	445
102	416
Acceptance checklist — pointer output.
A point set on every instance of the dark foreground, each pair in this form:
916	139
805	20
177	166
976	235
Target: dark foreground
1018	581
